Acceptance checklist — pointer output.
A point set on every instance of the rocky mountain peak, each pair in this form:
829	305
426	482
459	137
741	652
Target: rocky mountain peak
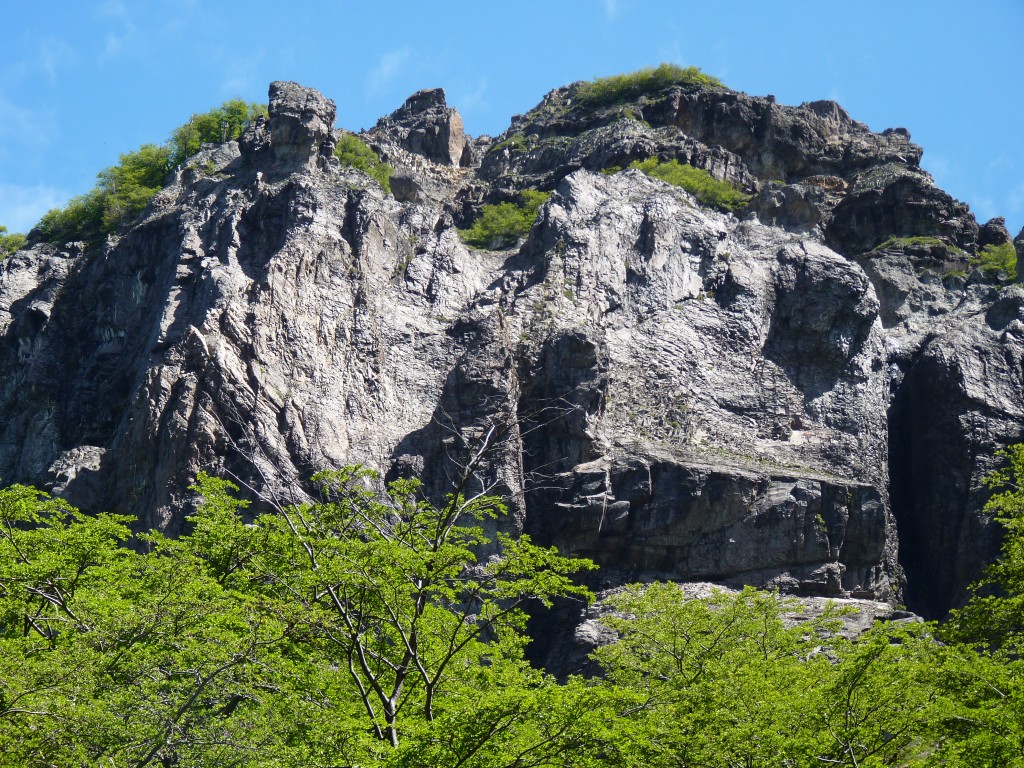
298	134
802	391
425	125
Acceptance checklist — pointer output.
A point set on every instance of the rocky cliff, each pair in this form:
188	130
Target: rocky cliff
805	395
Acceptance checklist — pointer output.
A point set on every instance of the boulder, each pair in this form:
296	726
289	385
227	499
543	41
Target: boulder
424	125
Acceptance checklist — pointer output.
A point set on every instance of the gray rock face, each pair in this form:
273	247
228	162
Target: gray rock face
1018	246
680	393
993	232
300	125
426	126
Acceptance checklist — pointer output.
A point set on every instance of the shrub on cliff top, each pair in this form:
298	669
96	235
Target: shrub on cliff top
224	123
121	194
123	190
499	226
706	188
608	90
997	260
353	152
10	243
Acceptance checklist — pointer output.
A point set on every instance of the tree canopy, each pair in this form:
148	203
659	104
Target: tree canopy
371	627
224	123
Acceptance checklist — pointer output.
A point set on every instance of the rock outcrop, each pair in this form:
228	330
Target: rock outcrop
805	396
426	126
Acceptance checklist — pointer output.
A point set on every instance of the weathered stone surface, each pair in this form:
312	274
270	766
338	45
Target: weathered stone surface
1018	246
681	393
298	134
895	200
993	232
426	126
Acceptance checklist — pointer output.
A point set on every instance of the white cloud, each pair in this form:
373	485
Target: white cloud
22	206
115	39
469	97
26	126
387	69
54	55
1015	199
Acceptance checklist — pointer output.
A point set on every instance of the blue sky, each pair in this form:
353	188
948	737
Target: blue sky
82	82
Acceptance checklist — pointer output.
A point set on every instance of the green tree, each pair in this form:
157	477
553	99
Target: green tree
123	190
112	657
224	123
10	243
359	629
997	260
129	186
982	678
80	220
391	590
995	613
726	681
714	678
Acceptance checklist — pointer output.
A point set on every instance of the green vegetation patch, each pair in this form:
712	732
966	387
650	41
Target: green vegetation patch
10	243
353	152
514	144
706	188
123	190
929	241
997	260
501	225
610	90
366	628
225	123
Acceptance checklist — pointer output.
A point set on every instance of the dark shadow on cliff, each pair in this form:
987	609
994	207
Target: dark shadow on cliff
943	535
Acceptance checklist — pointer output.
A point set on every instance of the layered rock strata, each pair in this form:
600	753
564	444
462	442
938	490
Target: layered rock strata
804	396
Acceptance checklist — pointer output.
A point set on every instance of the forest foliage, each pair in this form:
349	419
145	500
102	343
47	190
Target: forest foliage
997	261
10	242
374	628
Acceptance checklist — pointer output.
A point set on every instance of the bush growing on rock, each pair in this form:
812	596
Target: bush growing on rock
706	188
10	243
121	194
501	225
609	90
224	123
923	241
997	260
124	190
353	152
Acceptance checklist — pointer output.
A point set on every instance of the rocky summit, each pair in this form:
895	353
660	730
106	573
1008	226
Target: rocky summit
800	392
